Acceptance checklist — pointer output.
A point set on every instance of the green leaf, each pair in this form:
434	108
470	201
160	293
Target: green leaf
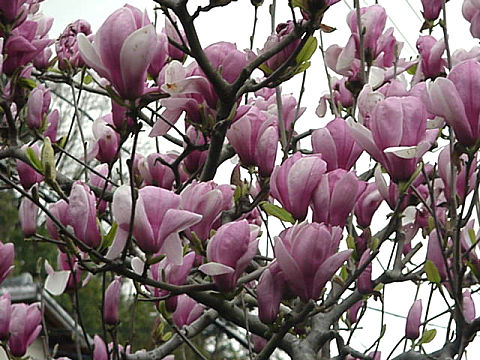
166	336
432	272
34	160
350	242
28	83
308	50
87	79
344	273
108	238
427	336
277	211
412	70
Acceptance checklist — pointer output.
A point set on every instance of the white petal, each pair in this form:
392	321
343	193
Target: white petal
213	268
405	152
56	282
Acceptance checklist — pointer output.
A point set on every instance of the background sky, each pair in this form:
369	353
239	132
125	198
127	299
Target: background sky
234	23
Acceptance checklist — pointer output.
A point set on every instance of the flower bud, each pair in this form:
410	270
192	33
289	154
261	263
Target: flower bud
112	300
414	318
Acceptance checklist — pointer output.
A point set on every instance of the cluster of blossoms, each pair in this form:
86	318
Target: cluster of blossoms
171	229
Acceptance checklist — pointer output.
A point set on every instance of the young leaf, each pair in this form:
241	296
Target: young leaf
428	336
34	160
278	212
432	272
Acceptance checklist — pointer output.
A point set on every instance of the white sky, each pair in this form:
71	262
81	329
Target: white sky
234	24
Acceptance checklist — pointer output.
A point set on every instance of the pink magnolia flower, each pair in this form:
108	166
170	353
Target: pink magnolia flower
66	45
404	119
373	20
158	220
270	290
52	125
454	99
11	9
254	137
278	59
294	182
112	300
189	89
26	42
431	52
66	263
99	182
187	311
335	197
461	175
60	211
434	254
7	254
106	140
471	13
364	281
28	176
308	257
194	160
209	200
337	147
367	204
468	307
268	102
25	325
431	9
173	52
166	271
414	319
83	214
28	213
100	349
5	313
352	312
155	172
160	56
229	252
121	51
37	106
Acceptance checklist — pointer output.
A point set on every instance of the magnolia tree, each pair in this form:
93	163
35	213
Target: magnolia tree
284	250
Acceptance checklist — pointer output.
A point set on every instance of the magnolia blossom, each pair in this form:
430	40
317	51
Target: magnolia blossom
106	140
454	99
25	326
270	290
112	300
5	313
404	119
335	197
66	45
471	13
431	9
229	252
431	52
414	318
462	178
83	214
158	220
337	147
187	311
294	182
209	200
308	257
254	137
7	254
121	51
